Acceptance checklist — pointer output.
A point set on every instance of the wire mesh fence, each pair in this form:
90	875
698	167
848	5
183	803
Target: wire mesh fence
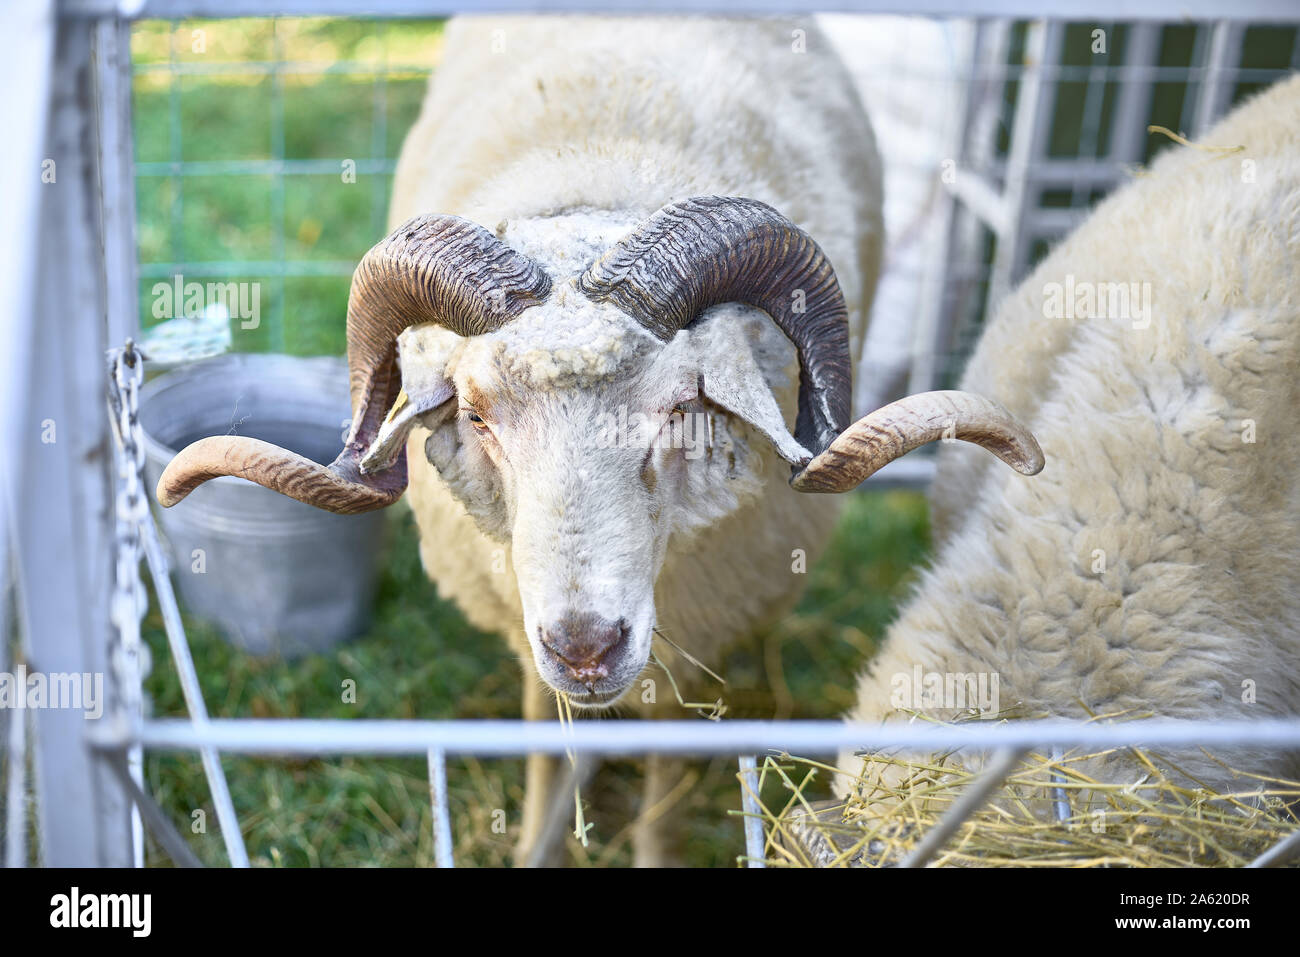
264	154
265	150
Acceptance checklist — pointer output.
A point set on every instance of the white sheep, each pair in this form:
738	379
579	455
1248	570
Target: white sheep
1154	566
610	433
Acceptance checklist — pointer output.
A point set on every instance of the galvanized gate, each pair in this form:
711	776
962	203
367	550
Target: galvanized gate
72	517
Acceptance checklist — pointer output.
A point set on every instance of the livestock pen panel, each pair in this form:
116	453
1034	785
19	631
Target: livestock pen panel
253	156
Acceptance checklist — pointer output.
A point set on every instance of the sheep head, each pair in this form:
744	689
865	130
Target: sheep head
585	421
585	444
632	406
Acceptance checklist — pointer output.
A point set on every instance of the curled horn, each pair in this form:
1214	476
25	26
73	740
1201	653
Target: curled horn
708	250
439	269
896	429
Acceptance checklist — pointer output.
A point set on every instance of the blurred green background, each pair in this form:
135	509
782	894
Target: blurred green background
241	130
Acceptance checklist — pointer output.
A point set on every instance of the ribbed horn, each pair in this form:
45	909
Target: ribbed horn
877	439
708	250
438	269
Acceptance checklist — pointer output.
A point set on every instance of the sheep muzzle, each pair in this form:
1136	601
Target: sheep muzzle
582	642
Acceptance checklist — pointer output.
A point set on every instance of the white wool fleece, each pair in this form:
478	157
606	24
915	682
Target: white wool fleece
1154	565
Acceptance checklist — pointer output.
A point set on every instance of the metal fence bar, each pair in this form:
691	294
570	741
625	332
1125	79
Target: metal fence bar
26	47
1125	73
116	178
963	254
442	846
931	331
1280	11
1200	54
16	792
13	769
379	140
163	830
306	67
1133	102
248	268
1216	89
116	201
279	335
26	64
301	736
1058	220
1279	853
755	839
971	800
1064	172
64	526
1061	801
1035	101
263	167
1000	71
1090	130
982	199
227	819
175	132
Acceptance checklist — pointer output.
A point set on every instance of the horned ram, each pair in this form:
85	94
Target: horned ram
626	253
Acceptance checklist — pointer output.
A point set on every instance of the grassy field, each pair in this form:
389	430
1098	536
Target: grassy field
419	658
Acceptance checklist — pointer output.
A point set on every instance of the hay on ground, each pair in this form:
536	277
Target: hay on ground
1049	812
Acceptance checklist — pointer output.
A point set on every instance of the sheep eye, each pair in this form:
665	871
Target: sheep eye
476	418
476	421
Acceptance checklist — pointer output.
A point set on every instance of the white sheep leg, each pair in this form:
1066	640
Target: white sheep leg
654	834
541	774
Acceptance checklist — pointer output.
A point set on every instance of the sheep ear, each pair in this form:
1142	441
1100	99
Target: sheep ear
426	393
730	377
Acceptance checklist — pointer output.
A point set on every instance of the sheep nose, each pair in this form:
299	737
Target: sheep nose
584	642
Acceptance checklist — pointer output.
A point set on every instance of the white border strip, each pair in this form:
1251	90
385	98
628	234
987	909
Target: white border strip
1276	11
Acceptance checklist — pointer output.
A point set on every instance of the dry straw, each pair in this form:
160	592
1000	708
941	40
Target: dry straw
1048	812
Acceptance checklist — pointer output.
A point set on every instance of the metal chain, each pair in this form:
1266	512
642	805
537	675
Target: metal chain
128	657
136	538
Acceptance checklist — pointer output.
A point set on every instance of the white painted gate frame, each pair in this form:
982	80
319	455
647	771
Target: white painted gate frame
67	258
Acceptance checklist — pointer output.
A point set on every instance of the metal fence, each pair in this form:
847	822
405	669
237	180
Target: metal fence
1018	181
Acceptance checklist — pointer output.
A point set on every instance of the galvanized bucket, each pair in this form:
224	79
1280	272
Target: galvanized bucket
276	576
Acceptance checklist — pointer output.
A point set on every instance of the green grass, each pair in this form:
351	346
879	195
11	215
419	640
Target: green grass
420	659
